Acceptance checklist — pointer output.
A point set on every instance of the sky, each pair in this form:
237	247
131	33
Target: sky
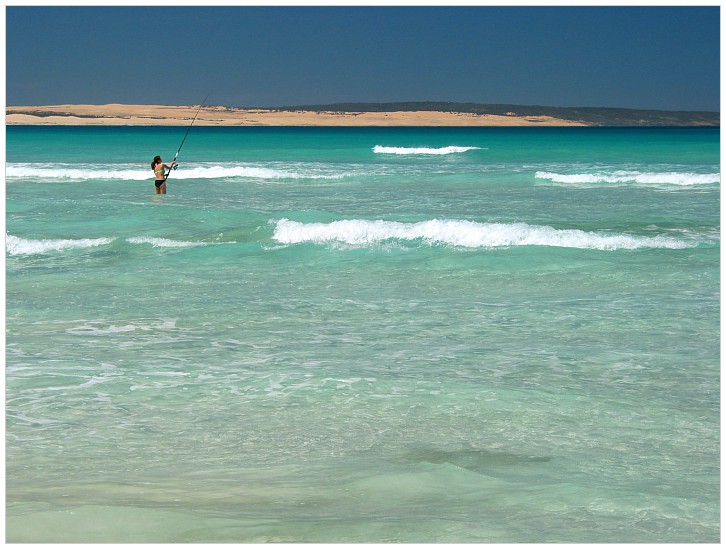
652	57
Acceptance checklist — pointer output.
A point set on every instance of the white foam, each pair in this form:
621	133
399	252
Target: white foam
623	176
21	246
464	234
70	172
162	242
254	172
380	149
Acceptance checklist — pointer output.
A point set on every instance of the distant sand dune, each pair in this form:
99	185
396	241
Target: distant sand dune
162	115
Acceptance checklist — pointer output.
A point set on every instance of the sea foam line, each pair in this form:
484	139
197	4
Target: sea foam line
254	172
380	149
464	234
22	246
15	245
163	242
623	176
69	172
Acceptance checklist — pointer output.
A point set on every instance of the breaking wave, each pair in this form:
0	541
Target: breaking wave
455	234
464	234
22	246
163	242
380	149
71	172
15	245
623	177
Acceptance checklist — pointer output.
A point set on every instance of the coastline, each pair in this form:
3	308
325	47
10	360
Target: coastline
164	115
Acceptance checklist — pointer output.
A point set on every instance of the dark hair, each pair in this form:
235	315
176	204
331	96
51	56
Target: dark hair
157	160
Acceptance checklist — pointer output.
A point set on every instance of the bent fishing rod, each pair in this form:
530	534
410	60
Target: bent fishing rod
185	137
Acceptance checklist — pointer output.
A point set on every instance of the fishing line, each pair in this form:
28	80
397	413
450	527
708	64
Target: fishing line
185	136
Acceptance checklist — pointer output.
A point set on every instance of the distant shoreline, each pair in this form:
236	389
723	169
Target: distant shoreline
415	114
160	115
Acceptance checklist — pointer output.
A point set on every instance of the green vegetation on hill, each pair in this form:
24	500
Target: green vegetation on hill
596	116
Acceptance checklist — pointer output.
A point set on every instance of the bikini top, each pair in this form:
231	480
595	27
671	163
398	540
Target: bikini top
160	170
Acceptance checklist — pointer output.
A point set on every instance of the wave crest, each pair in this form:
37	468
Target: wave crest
623	176
157	242
22	246
380	149
15	245
70	172
464	234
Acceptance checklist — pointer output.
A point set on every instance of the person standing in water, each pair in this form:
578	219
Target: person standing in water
159	167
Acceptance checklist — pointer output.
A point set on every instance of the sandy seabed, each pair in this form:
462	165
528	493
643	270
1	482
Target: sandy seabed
163	115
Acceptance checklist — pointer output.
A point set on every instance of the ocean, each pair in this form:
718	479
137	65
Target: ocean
363	335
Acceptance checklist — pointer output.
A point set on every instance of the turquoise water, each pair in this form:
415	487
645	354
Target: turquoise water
346	335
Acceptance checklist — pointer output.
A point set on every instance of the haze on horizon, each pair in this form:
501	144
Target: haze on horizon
657	57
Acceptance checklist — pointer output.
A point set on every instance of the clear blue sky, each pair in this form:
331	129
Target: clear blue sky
618	56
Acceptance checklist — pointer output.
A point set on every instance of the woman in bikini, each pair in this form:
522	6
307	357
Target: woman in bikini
158	166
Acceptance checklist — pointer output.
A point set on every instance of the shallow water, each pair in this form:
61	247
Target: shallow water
341	335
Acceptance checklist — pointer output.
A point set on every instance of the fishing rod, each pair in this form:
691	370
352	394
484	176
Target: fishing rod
185	137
